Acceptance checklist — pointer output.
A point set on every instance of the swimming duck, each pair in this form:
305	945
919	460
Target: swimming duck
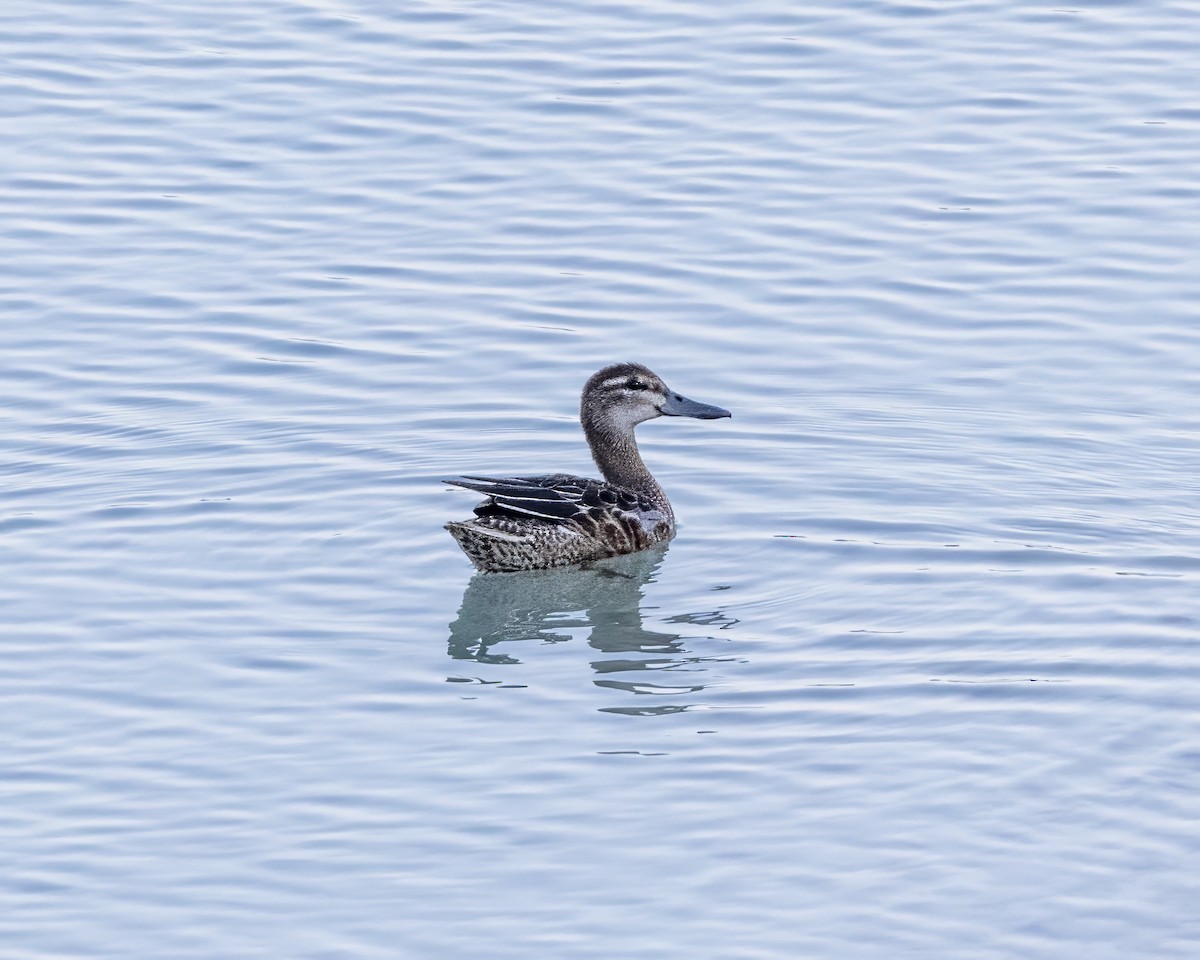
532	523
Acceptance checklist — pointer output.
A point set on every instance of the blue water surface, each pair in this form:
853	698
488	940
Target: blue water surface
920	675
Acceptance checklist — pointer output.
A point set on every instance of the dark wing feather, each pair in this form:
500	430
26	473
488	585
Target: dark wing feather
556	498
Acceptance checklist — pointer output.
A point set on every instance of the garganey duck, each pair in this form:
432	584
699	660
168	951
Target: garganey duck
532	523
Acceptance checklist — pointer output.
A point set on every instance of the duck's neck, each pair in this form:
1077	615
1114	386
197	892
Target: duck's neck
615	451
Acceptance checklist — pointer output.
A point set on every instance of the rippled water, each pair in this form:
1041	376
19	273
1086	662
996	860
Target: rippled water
920	676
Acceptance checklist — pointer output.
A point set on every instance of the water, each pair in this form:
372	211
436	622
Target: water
919	675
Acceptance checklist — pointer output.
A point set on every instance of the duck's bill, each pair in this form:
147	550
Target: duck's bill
680	406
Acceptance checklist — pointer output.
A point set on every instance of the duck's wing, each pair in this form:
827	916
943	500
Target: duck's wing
557	498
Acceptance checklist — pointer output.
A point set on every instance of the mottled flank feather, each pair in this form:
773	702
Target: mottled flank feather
533	523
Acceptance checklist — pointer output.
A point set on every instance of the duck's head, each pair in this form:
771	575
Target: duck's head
626	394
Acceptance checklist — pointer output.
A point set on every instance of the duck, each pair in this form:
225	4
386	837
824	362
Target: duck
556	520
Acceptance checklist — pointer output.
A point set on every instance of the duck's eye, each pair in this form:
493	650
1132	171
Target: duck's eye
633	383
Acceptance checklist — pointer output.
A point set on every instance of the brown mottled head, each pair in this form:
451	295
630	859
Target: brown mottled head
626	394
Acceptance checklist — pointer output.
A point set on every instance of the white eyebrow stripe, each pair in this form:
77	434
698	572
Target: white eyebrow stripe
614	381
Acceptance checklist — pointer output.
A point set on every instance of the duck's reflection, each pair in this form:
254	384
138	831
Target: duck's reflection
546	604
501	610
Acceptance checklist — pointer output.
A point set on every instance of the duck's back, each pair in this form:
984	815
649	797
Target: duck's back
533	523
